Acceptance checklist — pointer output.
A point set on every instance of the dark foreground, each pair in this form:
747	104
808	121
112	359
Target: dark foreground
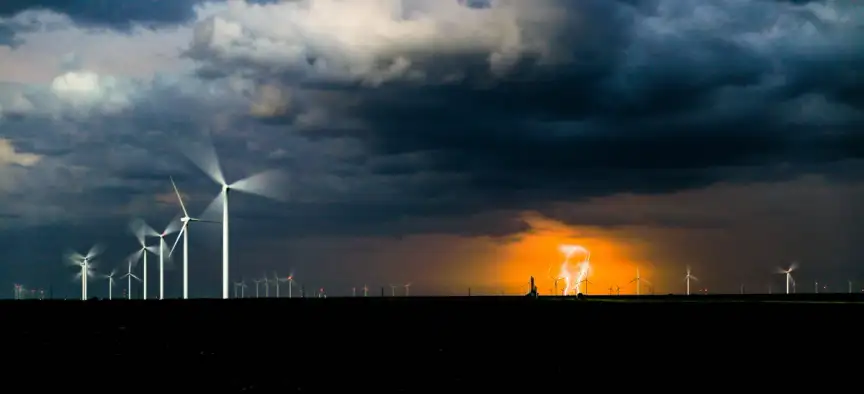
476	344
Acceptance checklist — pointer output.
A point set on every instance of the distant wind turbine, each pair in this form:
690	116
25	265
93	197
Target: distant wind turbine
790	282
277	279
407	289
85	262
261	184
237	285
365	290
638	280
142	230
266	282
688	278
129	276
257	284
110	278
393	290
353	292
586	282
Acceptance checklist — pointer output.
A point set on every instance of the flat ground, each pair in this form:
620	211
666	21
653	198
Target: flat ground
418	344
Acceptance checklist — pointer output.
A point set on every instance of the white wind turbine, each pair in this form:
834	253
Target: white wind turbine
290	280
407	289
790	281
257	283
266	281
184	233
688	277
85	262
262	184
142	230
277	279
110	278
129	276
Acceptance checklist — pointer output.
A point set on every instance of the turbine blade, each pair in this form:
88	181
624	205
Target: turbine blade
272	184
794	266
95	251
213	212
179	235
135	277
173	226
135	256
694	278
179	198
203	155
141	230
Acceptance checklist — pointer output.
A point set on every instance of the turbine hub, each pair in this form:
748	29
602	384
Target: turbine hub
184	219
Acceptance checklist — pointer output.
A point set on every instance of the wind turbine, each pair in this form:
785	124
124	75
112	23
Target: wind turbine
353	292
688	277
260	184
407	289
86	264
129	276
142	230
184	232
639	281
393	290
237	285
266	282
365	290
586	282
290	280
277	279
788	272
257	282
110	278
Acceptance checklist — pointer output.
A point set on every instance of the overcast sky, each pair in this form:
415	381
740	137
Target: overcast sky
450	144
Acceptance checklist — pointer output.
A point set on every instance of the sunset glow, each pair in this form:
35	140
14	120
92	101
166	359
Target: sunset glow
613	258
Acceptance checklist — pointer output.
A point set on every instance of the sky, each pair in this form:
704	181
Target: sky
446	144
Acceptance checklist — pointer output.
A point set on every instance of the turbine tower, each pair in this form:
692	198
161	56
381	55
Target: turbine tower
261	184
266	281
129	276
688	278
407	289
586	282
110	278
365	290
290	280
790	282
393	290
85	262
277	279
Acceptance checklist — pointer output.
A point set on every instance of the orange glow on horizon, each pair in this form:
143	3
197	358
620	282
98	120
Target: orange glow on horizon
614	258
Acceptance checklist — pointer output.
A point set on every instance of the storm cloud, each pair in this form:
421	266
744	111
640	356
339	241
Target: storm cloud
428	117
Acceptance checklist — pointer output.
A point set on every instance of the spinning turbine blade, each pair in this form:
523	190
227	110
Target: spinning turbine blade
203	155
179	235
271	184
179	198
141	229
95	251
135	256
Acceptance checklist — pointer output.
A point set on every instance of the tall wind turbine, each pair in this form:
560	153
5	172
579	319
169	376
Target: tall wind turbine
638	280
110	278
85	262
170	229
365	290
688	278
290	280
790	282
129	276
184	233
262	184
586	282
393	290
142	230
407	289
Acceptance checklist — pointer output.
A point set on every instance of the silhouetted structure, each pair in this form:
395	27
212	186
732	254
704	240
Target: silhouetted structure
532	292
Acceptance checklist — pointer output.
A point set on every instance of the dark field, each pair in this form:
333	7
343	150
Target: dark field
414	344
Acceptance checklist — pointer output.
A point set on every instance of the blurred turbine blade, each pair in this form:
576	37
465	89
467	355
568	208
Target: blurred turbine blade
135	256
141	229
272	184
203	155
794	266
95	251
179	197
694	278
173	226
213	211
179	235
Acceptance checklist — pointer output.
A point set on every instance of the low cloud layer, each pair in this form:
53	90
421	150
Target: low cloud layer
418	117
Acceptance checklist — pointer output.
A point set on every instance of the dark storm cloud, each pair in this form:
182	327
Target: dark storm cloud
118	14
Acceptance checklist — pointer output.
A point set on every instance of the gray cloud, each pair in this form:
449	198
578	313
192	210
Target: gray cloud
436	118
